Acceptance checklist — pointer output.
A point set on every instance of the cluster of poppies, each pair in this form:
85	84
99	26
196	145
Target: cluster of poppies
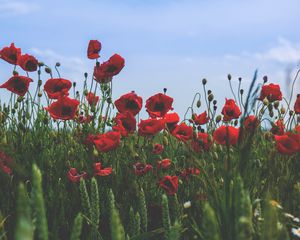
161	117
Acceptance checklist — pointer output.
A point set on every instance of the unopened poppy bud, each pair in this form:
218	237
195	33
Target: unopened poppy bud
198	104
20	99
218	118
109	100
165	141
48	70
291	112
271	114
265	78
204	81
15	73
40	94
85	92
242	91
41	64
236	122
240	79
266	102
165	90
208	92
215	102
199	128
97	64
95	152
85	74
93	108
229	77
282	110
40	82
276	104
210	97
57	64
215	108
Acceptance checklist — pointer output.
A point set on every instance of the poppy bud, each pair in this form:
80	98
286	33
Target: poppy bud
165	141
229	77
109	100
57	64
215	102
204	81
282	110
165	90
236	122
40	94
85	74
198	104
276	104
240	79
85	92
242	91
95	152
208	92
210	97
48	70
218	118
265	78
215	108
41	64
266	102
20	99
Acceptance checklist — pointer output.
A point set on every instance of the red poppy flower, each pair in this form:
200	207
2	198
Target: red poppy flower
28	63
57	87
186	173
93	49
74	176
183	132
297	128
64	108
5	161
297	105
251	123
102	172
104	72
278	127
169	184
271	92
201	142
125	123
84	119
230	110
164	164
10	54
107	141
92	99
288	143
141	168
150	127
17	84
158	105
201	118
171	120
129	102
157	148
226	134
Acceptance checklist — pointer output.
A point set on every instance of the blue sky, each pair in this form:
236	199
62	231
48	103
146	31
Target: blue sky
171	43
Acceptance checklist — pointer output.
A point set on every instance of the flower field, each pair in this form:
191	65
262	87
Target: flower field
78	164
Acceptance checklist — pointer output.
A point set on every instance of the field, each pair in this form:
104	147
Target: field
85	166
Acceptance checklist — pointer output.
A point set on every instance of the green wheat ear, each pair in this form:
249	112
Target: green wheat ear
143	209
24	227
38	204
210	227
95	205
77	227
166	214
175	209
85	199
174	232
137	221
116	227
242	211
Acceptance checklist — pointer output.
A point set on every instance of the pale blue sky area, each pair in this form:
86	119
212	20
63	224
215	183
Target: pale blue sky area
169	43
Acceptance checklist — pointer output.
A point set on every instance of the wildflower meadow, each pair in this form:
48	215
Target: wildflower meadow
77	164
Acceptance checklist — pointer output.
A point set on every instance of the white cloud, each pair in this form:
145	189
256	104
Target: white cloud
284	52
8	8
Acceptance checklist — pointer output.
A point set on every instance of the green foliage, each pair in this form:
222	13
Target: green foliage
116	227
209	228
143	209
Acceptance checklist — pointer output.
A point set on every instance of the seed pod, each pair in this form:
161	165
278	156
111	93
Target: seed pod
229	77
40	94
48	70
198	104
282	110
218	118
276	104
204	81
266	102
210	97
57	64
